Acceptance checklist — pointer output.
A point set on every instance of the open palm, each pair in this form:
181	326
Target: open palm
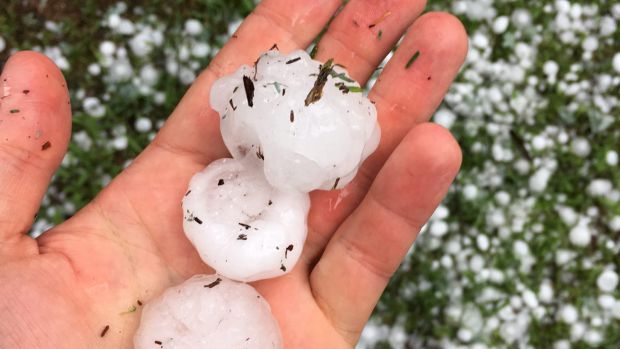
64	288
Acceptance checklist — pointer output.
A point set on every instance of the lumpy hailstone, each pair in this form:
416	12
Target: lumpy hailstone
208	311
241	226
306	121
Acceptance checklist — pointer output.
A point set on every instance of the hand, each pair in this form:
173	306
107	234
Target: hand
62	289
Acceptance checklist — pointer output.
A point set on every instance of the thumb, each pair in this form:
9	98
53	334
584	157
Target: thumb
35	125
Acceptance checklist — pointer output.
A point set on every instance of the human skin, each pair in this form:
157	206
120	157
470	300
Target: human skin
62	289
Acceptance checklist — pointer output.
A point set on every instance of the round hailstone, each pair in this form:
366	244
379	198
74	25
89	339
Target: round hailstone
580	147
307	122
599	187
143	124
606	301
149	75
614	224
200	50
562	344
482	241
530	299
94	69
590	44
107	48
208	311
241	226
470	192
444	117
593	338
607	281
545	293
193	26
500	24
551	68
611	158
539	180
439	228
616	62
93	107
615	310
580	235
568	314
464	335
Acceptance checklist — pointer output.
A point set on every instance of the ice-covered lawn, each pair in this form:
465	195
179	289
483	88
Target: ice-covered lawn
524	252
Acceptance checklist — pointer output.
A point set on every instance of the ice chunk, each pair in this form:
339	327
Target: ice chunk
307	123
208	311
241	226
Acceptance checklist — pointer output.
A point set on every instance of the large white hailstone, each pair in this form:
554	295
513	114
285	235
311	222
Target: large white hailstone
530	299
616	62
564	256
580	147
593	337
577	331
94	69
193	26
143	124
551	68
121	70
615	309
608	26
614	224
606	301
483	243
539	180
611	157
567	214
500	24
599	187
520	248
568	314
580	234
373	333
607	281
149	75
93	107
307	122
545	293
470	191
107	48
208	311
439	228
200	50
445	117
464	335
241	226
590	44
186	75
521	18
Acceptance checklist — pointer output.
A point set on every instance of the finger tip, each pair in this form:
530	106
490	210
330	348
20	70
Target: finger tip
34	75
450	32
33	64
34	109
438	36
441	152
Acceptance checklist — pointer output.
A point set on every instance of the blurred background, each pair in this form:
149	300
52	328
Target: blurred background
525	250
